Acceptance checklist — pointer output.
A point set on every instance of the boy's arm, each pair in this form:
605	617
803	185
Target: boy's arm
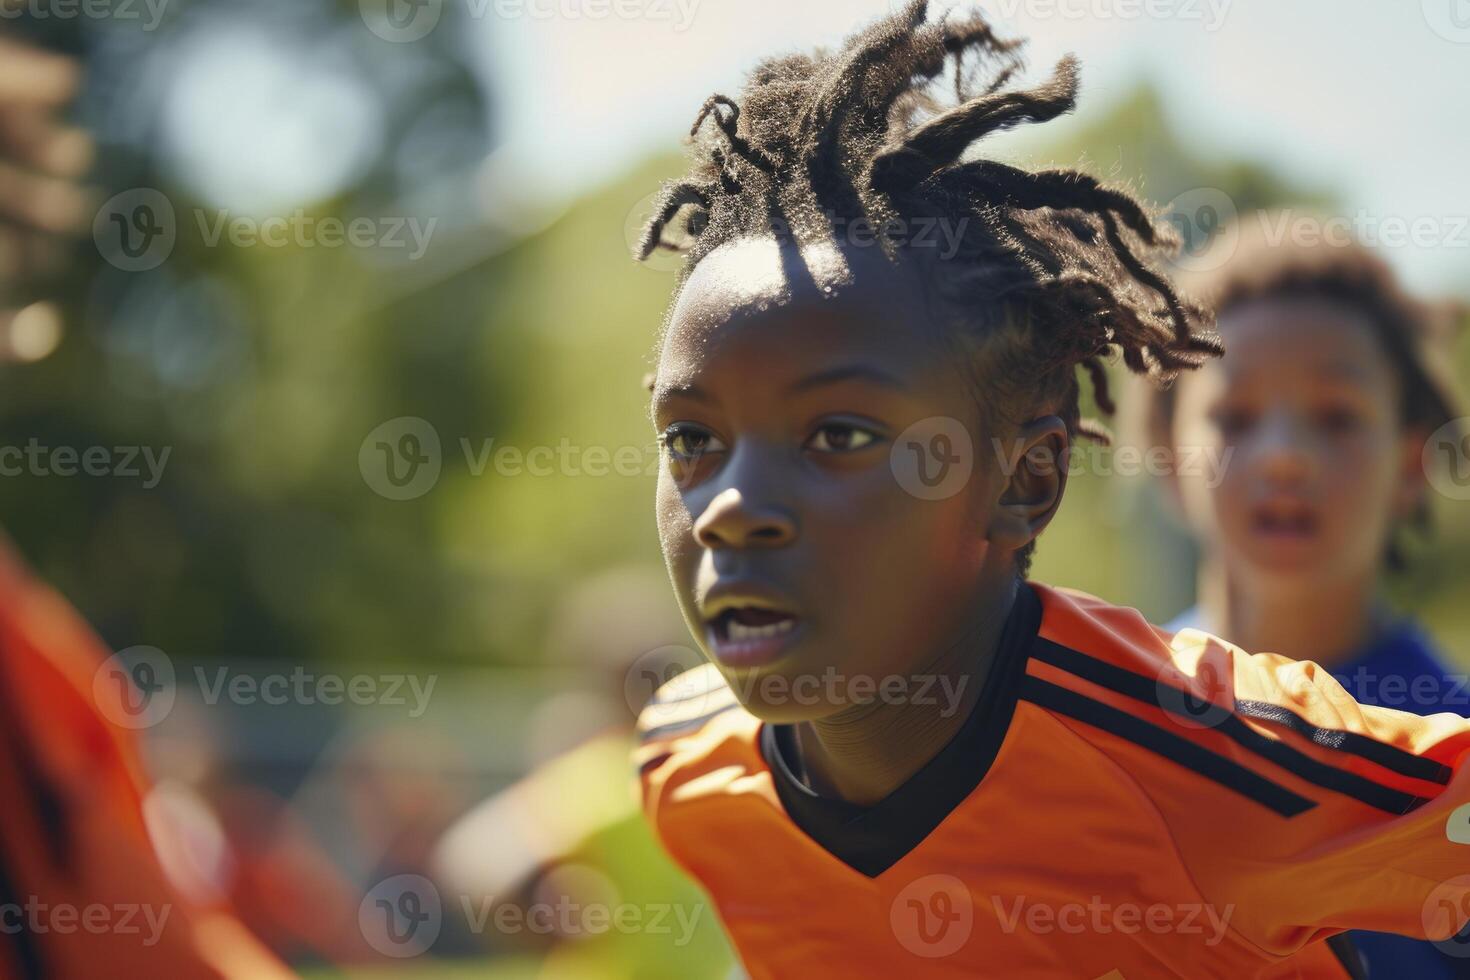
1384	842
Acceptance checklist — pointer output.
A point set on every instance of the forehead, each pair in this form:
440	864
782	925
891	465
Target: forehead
1302	339
765	305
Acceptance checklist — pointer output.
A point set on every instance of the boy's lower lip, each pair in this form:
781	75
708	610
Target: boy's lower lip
1285	546
753	652
1285	534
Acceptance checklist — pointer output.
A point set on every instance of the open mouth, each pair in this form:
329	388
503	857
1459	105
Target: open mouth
747	636
1285	521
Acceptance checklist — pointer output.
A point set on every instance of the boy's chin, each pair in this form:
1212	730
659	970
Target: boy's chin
780	699
783	712
1290	574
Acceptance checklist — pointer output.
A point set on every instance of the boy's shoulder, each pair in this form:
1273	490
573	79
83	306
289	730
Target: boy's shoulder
693	724
683	705
1199	693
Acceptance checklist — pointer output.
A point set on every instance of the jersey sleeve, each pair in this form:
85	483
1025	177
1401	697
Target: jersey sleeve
1382	841
675	718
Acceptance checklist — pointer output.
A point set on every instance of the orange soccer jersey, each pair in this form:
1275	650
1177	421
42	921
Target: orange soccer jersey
82	893
1121	803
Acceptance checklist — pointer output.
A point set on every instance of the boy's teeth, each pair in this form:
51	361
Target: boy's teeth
739	631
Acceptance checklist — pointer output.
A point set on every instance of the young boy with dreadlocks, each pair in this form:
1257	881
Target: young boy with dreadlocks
1324	404
904	757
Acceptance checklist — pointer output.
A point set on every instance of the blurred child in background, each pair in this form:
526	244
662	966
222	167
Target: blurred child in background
83	889
1316	419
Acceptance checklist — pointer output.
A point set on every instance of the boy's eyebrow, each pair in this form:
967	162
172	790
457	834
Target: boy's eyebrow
853	372
831	376
678	390
1344	371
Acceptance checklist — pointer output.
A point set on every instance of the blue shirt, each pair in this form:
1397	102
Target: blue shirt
1398	670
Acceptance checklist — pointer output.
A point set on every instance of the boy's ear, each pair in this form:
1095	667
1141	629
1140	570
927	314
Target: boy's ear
1033	478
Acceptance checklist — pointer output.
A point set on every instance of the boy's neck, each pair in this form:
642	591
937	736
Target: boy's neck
1328	624
863	754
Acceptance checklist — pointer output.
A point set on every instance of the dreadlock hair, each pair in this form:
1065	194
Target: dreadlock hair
1248	266
1052	269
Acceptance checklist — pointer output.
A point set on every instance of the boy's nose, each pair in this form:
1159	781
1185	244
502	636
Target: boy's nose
1284	451
734	521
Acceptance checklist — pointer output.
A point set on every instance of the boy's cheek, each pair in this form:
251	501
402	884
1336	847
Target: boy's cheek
1204	503
675	523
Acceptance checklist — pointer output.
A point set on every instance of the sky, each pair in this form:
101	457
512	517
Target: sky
1364	97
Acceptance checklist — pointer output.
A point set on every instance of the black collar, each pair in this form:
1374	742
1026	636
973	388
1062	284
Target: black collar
872	839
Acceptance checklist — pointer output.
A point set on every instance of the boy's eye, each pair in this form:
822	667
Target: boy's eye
1233	421
1337	419
689	442
841	437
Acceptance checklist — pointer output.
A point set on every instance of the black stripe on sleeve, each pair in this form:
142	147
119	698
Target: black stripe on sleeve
1347	954
688	725
1173	700
21	942
1200	760
1388	756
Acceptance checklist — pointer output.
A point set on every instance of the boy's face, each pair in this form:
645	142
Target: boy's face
1305	402
801	563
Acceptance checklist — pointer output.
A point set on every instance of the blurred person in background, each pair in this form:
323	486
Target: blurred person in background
253	848
82	889
1298	463
571	832
41	201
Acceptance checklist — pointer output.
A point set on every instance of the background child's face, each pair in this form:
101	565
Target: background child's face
796	402
1306	403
